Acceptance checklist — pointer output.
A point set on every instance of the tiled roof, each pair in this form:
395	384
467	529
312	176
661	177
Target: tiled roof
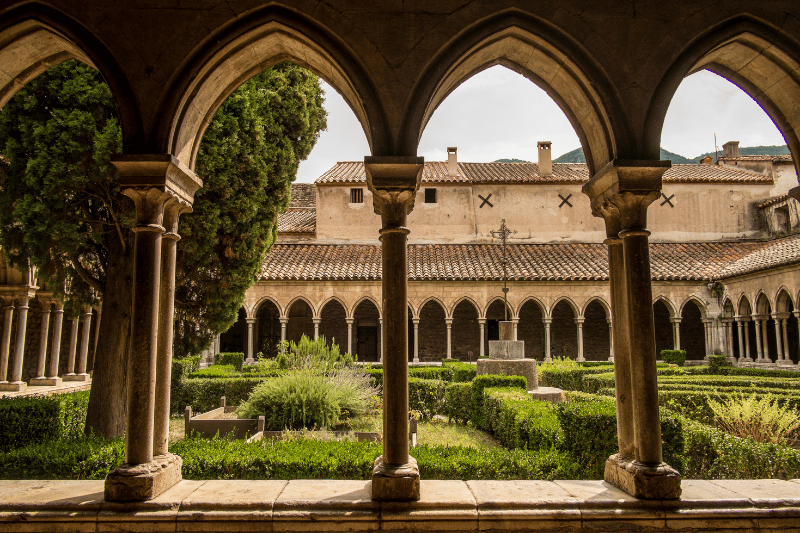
782	157
526	262
300	220
773	200
352	172
303	195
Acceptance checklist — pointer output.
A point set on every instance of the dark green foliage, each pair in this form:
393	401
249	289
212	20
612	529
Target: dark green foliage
182	369
235	359
477	416
717	364
458	402
247	161
85	457
214	371
674	357
463	372
33	419
204	394
426	396
519	422
570	378
376	374
443	373
731	371
710	453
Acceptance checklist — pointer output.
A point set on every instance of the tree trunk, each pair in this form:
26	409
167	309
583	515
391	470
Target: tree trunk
108	399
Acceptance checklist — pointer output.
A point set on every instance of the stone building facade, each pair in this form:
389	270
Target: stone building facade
724	258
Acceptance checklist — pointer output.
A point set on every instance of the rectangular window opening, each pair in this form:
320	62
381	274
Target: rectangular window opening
430	196
357	196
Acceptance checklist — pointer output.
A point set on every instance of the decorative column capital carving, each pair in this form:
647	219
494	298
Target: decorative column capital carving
622	190
157	171
393	181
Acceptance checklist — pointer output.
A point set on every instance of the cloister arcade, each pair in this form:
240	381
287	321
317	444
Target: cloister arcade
612	67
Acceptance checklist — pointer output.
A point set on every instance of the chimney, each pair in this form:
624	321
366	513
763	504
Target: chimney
707	160
730	149
545	159
452	161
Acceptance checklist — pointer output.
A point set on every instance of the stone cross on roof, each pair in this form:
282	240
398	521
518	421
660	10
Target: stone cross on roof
503	234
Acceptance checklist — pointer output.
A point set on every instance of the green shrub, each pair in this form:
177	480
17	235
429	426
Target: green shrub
376	374
568	376
203	394
80	458
761	372
26	420
674	357
426	396
442	373
519	422
235	359
717	364
312	354
485	381
763	419
182	368
214	371
458	401
463	372
302	399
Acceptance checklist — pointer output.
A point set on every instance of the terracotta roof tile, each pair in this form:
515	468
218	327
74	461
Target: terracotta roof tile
303	195
526	262
773	200
298	220
437	172
782	157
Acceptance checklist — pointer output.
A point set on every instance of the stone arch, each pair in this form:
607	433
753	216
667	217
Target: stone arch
268	326
764	312
539	51
266	300
436	299
466	339
530	328
596	333
750	53
432	330
301	316
366	329
600	301
459	300
314	311
40	37
333	322
360	301
743	307
692	329
783	301
671	309
563	330
257	42
763	303
569	302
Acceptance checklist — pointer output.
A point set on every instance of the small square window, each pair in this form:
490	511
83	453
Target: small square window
357	196
430	196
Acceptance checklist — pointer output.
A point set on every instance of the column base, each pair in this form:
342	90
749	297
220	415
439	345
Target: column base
145	481
45	382
13	386
660	482
76	377
395	483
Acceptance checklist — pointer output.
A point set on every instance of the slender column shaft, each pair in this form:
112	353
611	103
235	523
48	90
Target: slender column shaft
740	329
482	326
764	342
747	340
55	344
380	339
547	355
759	348
284	322
778	339
316	327
610	339
166	320
515	325
643	346
416	339
676	332
85	337
449	323
73	346
622	356
350	335
250	325
579	325
787	354
707	336
19	347
729	338
44	333
5	342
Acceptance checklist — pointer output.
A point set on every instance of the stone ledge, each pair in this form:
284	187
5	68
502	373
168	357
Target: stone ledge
325	505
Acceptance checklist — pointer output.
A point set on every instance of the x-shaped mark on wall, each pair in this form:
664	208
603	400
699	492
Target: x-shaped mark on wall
667	200
564	200
485	201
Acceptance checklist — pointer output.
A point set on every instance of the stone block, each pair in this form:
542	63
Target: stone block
547	394
76	377
644	482
45	382
506	349
395	483
518	367
145	481
13	386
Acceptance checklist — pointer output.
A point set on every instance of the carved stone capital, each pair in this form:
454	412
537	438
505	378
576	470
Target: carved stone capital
157	171
623	190
394	182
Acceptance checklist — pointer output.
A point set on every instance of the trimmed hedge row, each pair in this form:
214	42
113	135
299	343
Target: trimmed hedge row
519	422
569	378
82	458
204	394
27	420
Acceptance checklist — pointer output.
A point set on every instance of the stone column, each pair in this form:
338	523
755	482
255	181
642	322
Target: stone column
579	325
44	333
707	336
173	209
55	345
316	327
610	340
380	339
150	181
778	339
284	322
394	182
5	342
449	323
759	348
787	354
620	193
350	334
547	322
15	382
86	329
73	348
251	322
416	339
747	339
482	326
515	325
739	321
676	332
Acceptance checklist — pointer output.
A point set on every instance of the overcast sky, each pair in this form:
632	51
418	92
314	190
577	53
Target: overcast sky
499	114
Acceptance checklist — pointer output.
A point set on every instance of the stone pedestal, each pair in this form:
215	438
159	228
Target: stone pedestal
76	377
660	482
13	386
144	481
507	358
399	483
45	382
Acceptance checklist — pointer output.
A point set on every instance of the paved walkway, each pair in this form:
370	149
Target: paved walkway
37	390
324	505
